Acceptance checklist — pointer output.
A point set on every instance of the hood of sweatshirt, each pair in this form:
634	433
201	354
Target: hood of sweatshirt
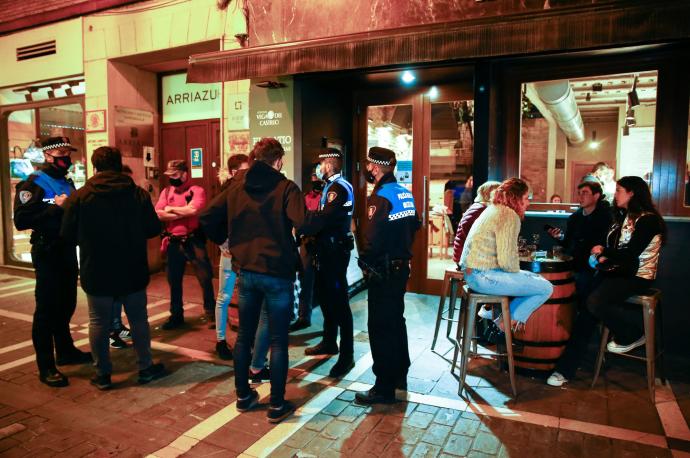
110	183
262	178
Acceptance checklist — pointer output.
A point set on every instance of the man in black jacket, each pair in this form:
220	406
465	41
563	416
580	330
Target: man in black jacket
259	212
586	228
111	218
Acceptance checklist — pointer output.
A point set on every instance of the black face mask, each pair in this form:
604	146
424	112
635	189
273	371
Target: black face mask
61	163
176	182
317	186
369	177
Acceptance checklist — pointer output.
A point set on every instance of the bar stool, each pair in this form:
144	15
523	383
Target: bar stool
650	302
465	334
452	280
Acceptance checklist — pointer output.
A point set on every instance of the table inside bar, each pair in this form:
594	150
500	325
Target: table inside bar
547	331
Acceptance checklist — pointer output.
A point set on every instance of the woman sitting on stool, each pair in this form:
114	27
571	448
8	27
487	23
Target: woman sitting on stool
626	266
490	256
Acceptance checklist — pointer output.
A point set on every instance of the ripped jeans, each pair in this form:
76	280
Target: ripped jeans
528	290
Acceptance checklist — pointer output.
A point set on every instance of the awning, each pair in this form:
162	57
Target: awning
561	29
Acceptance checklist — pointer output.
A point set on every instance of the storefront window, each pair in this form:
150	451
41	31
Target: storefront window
589	128
25	131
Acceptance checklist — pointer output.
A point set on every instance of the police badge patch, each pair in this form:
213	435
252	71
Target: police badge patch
25	196
371	210
331	196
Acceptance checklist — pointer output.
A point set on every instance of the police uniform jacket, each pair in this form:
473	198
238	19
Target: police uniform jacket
392	222
34	204
334	217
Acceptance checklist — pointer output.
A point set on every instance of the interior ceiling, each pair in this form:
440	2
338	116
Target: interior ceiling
171	59
615	89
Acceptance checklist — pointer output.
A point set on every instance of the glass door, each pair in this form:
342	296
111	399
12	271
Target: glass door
449	183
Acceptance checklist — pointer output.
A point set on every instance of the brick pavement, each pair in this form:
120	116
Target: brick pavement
193	407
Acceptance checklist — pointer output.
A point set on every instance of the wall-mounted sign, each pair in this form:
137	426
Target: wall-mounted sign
133	130
270	115
95	121
237	111
196	160
184	101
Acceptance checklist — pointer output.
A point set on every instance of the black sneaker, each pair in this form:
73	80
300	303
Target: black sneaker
125	333
102	382
321	349
53	378
278	414
298	325
244	404
76	357
151	373
264	375
373	397
173	323
223	350
116	341
341	367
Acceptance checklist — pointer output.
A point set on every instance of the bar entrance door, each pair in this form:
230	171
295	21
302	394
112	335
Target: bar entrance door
431	132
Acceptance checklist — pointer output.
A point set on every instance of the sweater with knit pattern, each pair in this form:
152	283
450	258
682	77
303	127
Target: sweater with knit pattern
492	241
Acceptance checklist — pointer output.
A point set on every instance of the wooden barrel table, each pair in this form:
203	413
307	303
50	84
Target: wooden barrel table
548	329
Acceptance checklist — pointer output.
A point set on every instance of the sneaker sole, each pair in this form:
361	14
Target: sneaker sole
626	349
102	387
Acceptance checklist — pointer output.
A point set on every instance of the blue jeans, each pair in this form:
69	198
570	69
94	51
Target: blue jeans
277	296
262	342
529	290
226	285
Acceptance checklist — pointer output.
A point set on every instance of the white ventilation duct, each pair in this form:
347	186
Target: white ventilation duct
560	101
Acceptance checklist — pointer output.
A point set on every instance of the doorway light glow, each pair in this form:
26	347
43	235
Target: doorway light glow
433	92
408	77
593	145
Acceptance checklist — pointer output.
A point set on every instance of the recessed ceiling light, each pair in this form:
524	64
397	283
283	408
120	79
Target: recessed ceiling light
407	77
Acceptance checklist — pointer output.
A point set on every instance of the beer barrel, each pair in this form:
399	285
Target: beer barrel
233	310
548	329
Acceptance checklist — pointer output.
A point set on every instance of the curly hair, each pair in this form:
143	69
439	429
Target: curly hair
509	193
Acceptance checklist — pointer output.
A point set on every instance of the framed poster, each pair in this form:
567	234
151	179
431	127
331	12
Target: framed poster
95	121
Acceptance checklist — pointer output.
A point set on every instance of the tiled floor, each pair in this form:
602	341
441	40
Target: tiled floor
192	411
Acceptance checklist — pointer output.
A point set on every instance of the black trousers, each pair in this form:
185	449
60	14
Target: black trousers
56	299
331	290
605	303
387	329
193	250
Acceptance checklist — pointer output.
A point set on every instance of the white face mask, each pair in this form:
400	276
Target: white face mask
319	172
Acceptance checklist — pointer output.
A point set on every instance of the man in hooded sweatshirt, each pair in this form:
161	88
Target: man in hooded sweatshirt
110	218
259	213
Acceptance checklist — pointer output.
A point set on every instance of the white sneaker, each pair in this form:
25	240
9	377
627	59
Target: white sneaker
556	379
613	347
485	312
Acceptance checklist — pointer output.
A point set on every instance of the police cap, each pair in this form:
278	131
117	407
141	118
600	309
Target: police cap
331	153
381	156
56	143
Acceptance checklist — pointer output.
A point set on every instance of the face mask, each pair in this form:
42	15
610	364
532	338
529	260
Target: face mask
317	186
176	182
62	163
319	172
369	177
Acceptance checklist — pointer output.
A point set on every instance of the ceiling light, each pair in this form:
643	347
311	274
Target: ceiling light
597	87
594	144
626	130
433	92
407	77
588	97
630	115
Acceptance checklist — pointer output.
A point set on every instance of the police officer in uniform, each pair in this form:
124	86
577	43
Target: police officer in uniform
333	245
385	261
38	205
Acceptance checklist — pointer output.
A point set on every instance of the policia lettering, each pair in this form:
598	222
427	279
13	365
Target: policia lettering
385	261
55	264
333	244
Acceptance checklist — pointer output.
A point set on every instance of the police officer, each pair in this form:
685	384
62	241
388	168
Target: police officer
385	261
38	206
333	244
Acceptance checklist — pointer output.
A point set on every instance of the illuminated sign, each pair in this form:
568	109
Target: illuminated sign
184	101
